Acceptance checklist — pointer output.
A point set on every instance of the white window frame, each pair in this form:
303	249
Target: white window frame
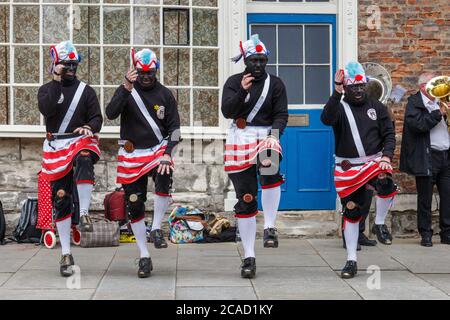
12	130
303	64
346	12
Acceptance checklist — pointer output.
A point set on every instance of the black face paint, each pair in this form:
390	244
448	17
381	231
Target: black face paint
147	79
356	93
69	72
256	65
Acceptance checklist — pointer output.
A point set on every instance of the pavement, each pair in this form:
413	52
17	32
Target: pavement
297	270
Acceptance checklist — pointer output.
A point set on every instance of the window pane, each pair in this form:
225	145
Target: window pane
176	67
108	94
206	108
56	24
293	79
146	26
205	27
290	44
86	24
176	2
176	27
4	23
26	24
267	34
317	44
146	1
317	86
86	1
4	105
116	65
204	3
26	68
116	25
272	70
183	98
116	1
89	68
205	67
4	64
26	111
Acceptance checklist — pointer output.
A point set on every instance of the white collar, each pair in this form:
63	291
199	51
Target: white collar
427	100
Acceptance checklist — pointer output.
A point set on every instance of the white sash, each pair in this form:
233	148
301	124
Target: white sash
354	129
260	101
146	114
73	106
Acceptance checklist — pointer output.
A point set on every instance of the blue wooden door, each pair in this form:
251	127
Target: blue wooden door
303	55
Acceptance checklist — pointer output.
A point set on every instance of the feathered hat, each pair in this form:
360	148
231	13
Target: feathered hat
64	51
354	74
250	48
145	59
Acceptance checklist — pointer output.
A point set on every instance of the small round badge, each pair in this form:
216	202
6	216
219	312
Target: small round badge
248	198
241	123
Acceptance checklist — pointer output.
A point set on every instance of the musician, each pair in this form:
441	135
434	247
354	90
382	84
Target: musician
425	155
149	129
365	145
73	118
257	103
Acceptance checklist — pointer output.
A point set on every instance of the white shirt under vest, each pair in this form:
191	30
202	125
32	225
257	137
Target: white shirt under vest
439	135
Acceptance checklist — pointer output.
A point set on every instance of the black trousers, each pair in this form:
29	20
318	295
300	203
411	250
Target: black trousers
425	186
163	184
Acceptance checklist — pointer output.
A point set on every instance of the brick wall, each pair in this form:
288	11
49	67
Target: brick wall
413	37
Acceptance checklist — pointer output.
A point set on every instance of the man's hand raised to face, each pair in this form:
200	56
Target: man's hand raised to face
247	81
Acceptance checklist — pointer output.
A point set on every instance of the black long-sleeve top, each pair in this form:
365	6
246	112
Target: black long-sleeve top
274	111
376	135
54	108
133	125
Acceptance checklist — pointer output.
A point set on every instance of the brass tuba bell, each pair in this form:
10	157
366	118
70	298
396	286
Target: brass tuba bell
439	88
379	85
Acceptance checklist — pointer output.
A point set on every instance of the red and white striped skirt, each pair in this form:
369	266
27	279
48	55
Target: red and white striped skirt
243	146
58	155
132	166
347	182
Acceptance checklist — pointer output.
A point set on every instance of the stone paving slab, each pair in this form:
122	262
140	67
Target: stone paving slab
419	259
4	277
301	283
205	263
97	259
215	293
53	294
121	282
38	279
286	247
397	285
333	253
440	281
212	278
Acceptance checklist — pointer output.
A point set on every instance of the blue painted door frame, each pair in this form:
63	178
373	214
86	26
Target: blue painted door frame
308	151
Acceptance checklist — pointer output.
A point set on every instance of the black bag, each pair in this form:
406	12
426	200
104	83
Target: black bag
2	225
26	231
227	235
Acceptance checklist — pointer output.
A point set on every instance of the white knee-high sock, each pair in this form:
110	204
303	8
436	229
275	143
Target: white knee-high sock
141	237
161	206
383	207
85	194
270	203
351	233
247	231
64	234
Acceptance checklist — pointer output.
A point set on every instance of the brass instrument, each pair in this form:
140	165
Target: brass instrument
439	88
379	85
